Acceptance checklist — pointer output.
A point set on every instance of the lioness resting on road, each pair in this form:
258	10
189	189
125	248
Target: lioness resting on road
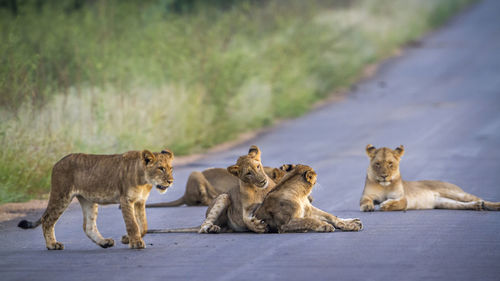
203	187
286	208
105	179
233	211
384	186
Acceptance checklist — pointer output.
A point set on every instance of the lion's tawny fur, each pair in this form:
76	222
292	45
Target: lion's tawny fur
105	179
385	186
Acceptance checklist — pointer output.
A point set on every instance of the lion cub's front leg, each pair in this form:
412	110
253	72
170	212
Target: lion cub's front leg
366	205
218	207
254	224
394	204
306	224
133	231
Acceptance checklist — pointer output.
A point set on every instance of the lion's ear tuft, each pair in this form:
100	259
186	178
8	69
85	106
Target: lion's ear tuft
287	167
168	153
254	152
310	177
370	150
399	151
233	170
147	157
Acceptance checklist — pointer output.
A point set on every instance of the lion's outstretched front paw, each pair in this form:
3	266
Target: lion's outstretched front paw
326	227
209	228
257	225
367	207
350	225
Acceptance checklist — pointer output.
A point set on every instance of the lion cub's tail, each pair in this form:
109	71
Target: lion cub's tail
176	230
174	203
25	224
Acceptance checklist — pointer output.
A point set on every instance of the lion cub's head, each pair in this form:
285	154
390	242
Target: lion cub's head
249	169
384	164
302	178
158	169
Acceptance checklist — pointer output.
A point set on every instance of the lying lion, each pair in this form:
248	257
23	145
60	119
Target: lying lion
203	187
105	179
384	186
286	208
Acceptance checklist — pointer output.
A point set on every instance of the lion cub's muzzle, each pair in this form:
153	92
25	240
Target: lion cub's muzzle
263	184
164	187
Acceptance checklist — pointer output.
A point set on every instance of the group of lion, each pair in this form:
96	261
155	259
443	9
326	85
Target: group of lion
246	196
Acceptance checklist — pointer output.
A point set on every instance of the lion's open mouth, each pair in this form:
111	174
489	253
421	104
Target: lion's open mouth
161	187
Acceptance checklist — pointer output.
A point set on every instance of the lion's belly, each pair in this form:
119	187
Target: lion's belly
424	199
101	196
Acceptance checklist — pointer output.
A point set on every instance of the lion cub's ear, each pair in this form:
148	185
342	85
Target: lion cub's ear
370	150
277	174
147	157
287	167
399	151
310	177
233	170
168	153
254	152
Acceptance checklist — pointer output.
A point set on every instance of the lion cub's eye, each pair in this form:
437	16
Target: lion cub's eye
248	174
162	169
377	164
258	166
390	164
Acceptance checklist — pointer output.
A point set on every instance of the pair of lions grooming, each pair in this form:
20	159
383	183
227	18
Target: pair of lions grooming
234	211
203	187
385	186
105	179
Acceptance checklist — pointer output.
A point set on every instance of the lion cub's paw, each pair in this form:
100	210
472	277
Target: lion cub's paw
257	225
108	243
209	228
125	239
388	205
367	208
55	246
137	244
326	227
479	205
352	225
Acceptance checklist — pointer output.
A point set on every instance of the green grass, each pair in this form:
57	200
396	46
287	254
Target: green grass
117	76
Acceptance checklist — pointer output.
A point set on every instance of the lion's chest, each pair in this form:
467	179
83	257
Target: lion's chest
139	193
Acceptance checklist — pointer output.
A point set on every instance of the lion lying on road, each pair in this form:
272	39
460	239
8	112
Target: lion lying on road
203	187
286	208
384	186
105	179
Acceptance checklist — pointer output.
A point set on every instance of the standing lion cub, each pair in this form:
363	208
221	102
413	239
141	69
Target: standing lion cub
105	179
384	186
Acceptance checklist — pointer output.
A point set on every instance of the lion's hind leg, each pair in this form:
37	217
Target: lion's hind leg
492	206
342	224
90	211
199	190
446	203
51	216
306	224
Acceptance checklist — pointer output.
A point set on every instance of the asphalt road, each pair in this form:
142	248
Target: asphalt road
440	99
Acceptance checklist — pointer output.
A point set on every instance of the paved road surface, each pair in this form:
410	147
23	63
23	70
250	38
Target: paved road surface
441	100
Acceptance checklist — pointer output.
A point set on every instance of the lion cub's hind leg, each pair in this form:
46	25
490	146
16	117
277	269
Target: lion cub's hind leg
56	206
492	206
199	190
306	224
90	211
446	203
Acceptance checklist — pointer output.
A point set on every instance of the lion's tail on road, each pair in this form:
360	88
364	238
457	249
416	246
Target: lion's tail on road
176	230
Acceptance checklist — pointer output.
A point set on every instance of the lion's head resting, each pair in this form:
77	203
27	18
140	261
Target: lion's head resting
249	168
298	175
158	168
384	164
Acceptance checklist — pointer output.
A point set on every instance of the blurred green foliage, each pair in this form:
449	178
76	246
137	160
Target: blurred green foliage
111	76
